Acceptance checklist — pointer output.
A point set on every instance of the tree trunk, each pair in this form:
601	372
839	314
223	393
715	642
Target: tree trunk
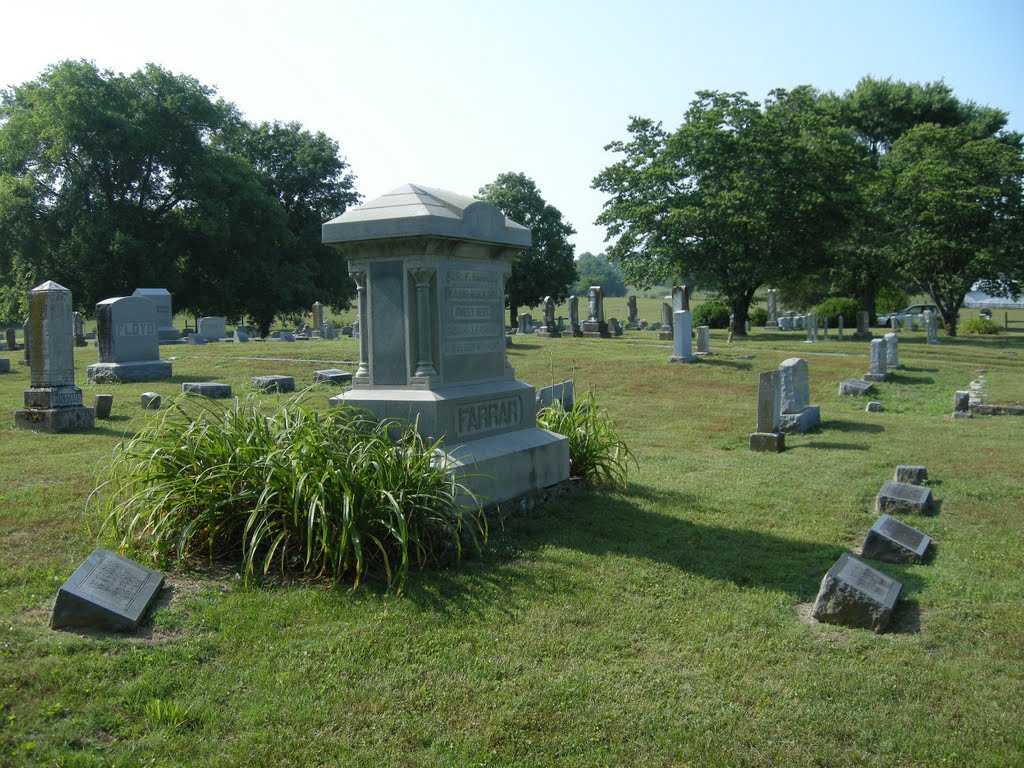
513	315
740	310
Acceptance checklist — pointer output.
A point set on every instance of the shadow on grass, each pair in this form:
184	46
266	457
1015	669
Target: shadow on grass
718	361
841	425
900	377
829	446
613	525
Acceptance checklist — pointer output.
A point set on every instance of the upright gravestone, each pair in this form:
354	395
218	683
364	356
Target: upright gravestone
773	311
430	268
931	327
854	594
682	335
212	328
614	327
52	403
632	319
161	298
796	412
768	436
550	328
879	358
241	336
318	318
78	329
126	330
892	351
903	498
574	316
681	298
841	328
12	340
666	322
786	322
703	340
812	327
863	326
26	331
595	325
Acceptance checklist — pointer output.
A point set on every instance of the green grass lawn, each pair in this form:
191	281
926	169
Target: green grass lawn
664	626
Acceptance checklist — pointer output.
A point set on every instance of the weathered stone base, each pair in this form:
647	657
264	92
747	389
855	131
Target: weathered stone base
575	330
855	387
338	376
771	325
45	398
665	335
770	442
915	474
505	466
903	498
683	359
994	409
595	330
804	421
877	376
52	420
838	602
962	415
143	370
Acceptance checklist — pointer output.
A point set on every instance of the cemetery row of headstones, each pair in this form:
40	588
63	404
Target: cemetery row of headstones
854	594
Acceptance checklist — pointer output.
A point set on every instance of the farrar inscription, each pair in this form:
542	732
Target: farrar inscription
493	414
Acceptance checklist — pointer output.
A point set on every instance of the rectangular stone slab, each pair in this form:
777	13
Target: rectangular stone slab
915	474
855	387
106	592
273	383
899	498
853	594
893	541
207	389
332	375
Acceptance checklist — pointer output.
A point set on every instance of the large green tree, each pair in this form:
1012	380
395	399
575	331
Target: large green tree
109	182
740	195
953	202
547	268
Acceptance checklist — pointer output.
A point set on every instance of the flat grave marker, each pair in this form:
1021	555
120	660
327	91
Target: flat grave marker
332	376
106	592
273	383
893	541
899	498
853	594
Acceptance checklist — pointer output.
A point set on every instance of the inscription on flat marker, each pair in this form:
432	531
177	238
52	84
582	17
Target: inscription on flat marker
901	532
106	592
869	581
893	541
895	498
854	594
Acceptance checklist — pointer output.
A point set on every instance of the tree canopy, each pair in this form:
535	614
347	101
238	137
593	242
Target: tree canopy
110	182
548	267
597	270
739	195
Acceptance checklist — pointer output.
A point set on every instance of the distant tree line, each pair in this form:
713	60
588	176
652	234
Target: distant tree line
111	182
889	185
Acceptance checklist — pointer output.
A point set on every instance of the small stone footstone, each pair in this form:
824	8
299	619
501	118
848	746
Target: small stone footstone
874	407
207	389
892	541
338	376
107	592
102	405
910	473
854	594
273	383
855	387
903	498
771	442
5	365
962	402
149	401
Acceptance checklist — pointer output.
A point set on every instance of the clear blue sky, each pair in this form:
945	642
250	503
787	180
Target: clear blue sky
450	94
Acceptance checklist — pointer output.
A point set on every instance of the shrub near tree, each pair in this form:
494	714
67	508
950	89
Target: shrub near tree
713	314
834	308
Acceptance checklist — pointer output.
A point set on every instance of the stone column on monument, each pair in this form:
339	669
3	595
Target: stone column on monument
363	371
424	330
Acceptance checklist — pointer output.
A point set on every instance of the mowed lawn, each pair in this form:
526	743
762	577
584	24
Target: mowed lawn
664	625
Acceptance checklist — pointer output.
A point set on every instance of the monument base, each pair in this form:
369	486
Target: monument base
683	359
595	330
665	335
769	442
771	325
877	376
548	333
575	330
143	370
802	421
505	466
73	419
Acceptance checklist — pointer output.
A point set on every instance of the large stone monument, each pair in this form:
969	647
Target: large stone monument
595	325
892	351
161	298
52	403
879	362
797	415
632	319
430	269
127	334
680	298
318	318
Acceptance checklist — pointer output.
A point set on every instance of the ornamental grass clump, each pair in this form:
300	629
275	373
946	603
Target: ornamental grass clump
596	451
330	495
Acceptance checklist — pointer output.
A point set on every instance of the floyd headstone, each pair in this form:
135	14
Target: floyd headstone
165	331
128	341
